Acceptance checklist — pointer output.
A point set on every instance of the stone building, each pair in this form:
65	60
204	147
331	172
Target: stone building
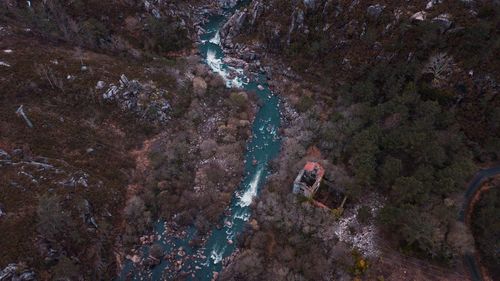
308	179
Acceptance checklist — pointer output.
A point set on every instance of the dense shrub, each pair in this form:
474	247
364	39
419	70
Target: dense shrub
166	35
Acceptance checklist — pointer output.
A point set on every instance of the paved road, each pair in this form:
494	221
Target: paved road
475	184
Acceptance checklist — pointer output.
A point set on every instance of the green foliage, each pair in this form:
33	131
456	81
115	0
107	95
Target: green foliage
239	100
337	212
305	103
364	150
94	31
391	169
364	214
408	144
360	265
66	269
166	35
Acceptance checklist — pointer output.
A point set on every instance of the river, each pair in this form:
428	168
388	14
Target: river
261	148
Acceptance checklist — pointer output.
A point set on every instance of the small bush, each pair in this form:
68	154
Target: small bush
364	214
166	35
305	103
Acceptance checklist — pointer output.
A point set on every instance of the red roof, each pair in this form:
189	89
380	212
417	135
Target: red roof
311	166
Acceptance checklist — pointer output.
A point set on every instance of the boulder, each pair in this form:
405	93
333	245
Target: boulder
199	86
419	16
374	11
255	10
153	105
17	272
233	25
444	22
2	210
432	3
4	155
156	251
100	85
310	4
297	23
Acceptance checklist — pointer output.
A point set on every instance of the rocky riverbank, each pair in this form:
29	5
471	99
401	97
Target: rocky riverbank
193	168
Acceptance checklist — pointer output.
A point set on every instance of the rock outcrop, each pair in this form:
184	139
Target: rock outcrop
16	272
144	100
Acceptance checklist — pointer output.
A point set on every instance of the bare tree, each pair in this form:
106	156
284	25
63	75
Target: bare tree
441	66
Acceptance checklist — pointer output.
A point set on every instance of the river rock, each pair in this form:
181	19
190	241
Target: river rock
151	261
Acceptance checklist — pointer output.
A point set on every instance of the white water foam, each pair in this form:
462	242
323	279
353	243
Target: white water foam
216	39
247	197
216	254
216	65
242	215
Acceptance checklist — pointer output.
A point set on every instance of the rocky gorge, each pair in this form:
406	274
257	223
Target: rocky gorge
119	137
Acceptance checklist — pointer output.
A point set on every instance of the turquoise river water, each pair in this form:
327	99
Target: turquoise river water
263	146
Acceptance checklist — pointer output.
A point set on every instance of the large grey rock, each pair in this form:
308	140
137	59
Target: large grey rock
310	4
432	3
87	214
14	272
419	16
297	23
234	24
4	155
444	22
374	11
255	10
